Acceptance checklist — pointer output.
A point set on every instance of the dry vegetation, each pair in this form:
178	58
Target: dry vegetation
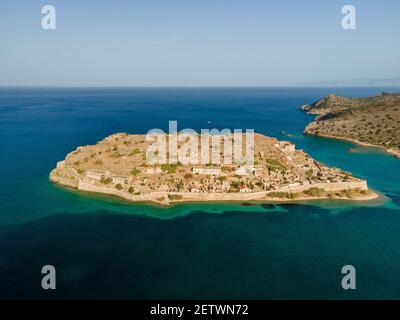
373	120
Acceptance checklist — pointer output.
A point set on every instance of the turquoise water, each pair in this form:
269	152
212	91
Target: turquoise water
103	248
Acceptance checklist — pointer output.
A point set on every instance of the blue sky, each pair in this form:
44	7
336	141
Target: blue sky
196	43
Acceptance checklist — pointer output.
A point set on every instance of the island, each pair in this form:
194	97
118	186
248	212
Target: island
372	121
117	166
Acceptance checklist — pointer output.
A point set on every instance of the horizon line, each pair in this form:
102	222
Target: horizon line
189	87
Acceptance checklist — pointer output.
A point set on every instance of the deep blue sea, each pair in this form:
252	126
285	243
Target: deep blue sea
104	248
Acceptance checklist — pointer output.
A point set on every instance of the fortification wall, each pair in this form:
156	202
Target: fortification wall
332	186
162	197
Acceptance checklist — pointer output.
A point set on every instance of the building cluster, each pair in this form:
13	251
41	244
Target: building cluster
277	165
101	175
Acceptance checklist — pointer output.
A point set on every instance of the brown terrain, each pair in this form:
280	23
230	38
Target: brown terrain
117	165
372	121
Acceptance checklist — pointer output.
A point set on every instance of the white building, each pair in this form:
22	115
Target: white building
208	171
245	189
285	146
120	180
244	170
226	186
153	170
95	174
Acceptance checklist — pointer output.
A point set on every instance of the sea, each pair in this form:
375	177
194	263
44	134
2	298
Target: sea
105	248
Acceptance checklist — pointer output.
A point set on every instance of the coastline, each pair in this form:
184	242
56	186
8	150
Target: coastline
285	175
394	153
256	197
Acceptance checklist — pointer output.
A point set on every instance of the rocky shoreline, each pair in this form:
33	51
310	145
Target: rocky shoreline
280	174
168	198
371	122
394	153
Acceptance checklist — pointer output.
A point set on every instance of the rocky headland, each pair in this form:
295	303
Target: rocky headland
372	121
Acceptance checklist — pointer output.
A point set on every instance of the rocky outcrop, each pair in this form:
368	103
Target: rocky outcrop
369	121
330	103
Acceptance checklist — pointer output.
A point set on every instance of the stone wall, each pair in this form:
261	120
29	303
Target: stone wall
332	186
162	197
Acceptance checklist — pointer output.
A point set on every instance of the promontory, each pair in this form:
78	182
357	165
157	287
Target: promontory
371	121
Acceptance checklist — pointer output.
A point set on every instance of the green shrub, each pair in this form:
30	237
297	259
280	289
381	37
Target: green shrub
235	184
116	154
277	194
315	192
274	164
170	168
175	197
135	151
135	171
105	180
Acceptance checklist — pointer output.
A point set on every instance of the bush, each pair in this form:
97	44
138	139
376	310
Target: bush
277	194
105	180
135	171
116	154
175	197
170	168
135	151
188	176
236	184
118	186
315	192
274	164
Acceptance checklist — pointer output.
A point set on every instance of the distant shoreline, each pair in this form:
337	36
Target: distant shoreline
395	153
374	120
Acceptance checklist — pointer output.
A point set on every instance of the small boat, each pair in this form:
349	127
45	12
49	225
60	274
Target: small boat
283	133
